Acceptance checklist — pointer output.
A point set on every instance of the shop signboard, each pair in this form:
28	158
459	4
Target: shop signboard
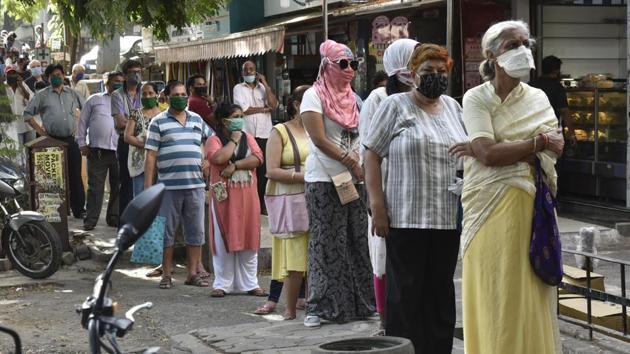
49	183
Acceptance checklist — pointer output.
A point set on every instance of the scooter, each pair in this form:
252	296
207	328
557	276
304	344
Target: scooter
97	312
28	240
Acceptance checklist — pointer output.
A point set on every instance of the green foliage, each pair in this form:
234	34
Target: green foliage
108	18
8	146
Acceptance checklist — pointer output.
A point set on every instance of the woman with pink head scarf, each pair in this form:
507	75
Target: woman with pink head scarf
339	270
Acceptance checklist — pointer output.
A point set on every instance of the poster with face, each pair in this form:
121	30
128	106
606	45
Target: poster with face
399	28
380	30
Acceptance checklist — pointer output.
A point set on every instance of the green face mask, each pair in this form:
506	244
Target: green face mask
149	102
56	81
117	86
235	124
179	103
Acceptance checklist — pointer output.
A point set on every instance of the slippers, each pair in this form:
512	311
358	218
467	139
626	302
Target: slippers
197	281
265	309
155	273
260	292
217	293
203	274
166	282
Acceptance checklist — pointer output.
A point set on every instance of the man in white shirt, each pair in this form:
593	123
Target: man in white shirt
257	101
19	95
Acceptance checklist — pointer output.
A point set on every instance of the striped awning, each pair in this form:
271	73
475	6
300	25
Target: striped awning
242	44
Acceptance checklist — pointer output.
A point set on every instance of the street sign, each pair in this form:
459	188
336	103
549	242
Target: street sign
56	43
42	54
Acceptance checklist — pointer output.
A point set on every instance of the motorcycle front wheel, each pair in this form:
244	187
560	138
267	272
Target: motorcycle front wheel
35	250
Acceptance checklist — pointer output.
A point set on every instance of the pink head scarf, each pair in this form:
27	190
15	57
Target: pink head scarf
333	85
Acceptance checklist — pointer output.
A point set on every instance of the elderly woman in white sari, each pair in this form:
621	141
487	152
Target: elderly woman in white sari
507	308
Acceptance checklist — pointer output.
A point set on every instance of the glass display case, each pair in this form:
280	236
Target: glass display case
596	165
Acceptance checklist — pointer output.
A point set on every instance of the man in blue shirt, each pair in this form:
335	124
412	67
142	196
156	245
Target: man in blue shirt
96	123
173	148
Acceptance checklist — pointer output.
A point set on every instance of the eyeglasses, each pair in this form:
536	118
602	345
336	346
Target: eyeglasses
240	116
343	64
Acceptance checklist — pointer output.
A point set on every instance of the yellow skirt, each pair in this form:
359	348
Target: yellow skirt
507	308
287	255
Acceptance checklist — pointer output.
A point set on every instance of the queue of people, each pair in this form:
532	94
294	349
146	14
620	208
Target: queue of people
380	185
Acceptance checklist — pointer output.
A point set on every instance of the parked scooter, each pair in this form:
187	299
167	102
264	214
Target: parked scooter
28	240
97	312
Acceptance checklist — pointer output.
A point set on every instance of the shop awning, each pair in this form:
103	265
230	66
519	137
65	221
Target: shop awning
242	44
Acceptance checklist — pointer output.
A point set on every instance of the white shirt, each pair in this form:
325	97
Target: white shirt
319	167
259	125
18	104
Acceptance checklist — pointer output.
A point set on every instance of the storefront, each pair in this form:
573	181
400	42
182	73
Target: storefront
591	41
366	28
220	60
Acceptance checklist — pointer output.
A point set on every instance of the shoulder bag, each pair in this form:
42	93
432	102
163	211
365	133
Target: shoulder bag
545	251
287	213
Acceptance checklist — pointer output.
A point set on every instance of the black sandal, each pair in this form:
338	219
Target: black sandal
166	282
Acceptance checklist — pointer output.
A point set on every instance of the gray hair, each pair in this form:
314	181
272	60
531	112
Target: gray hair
492	41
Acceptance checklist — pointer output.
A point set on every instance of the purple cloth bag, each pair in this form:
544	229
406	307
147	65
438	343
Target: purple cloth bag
545	250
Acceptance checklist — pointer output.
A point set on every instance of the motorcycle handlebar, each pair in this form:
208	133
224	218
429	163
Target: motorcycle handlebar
129	314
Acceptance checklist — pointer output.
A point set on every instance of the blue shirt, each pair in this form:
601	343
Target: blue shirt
178	149
96	122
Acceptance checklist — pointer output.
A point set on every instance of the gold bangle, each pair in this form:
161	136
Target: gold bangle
535	144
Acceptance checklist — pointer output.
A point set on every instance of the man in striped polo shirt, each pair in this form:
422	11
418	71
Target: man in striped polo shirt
174	147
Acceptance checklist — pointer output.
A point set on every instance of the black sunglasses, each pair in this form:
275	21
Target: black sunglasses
343	64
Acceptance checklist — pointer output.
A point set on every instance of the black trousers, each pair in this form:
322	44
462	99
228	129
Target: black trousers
126	185
100	162
75	182
420	289
261	174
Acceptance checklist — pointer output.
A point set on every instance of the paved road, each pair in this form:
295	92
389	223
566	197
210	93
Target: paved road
43	312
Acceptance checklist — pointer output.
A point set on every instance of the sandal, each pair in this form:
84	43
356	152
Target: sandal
203	274
301	304
166	282
260	292
217	293
155	273
197	281
288	317
265	309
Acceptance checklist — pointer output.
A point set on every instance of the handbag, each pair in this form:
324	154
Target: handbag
287	213
545	250
150	246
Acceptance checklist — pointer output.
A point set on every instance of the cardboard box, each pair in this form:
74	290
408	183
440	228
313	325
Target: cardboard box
602	313
577	276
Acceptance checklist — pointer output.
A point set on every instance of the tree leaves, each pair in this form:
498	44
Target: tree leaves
108	18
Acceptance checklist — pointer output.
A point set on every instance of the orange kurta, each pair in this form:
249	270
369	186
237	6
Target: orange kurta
239	215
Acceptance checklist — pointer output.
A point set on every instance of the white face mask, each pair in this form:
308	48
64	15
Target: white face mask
518	62
406	77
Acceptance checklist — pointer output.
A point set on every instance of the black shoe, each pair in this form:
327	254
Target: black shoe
81	215
88	227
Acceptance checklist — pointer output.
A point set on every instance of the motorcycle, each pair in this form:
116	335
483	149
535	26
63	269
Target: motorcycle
32	245
97	311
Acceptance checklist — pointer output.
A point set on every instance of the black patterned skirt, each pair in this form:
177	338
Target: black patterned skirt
340	286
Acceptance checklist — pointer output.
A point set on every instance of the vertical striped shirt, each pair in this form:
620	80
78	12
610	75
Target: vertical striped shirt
178	149
419	166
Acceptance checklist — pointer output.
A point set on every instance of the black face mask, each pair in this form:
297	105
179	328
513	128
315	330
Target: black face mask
201	90
12	79
433	85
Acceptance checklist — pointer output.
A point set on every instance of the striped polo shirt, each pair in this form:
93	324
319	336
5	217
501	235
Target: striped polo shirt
178	149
